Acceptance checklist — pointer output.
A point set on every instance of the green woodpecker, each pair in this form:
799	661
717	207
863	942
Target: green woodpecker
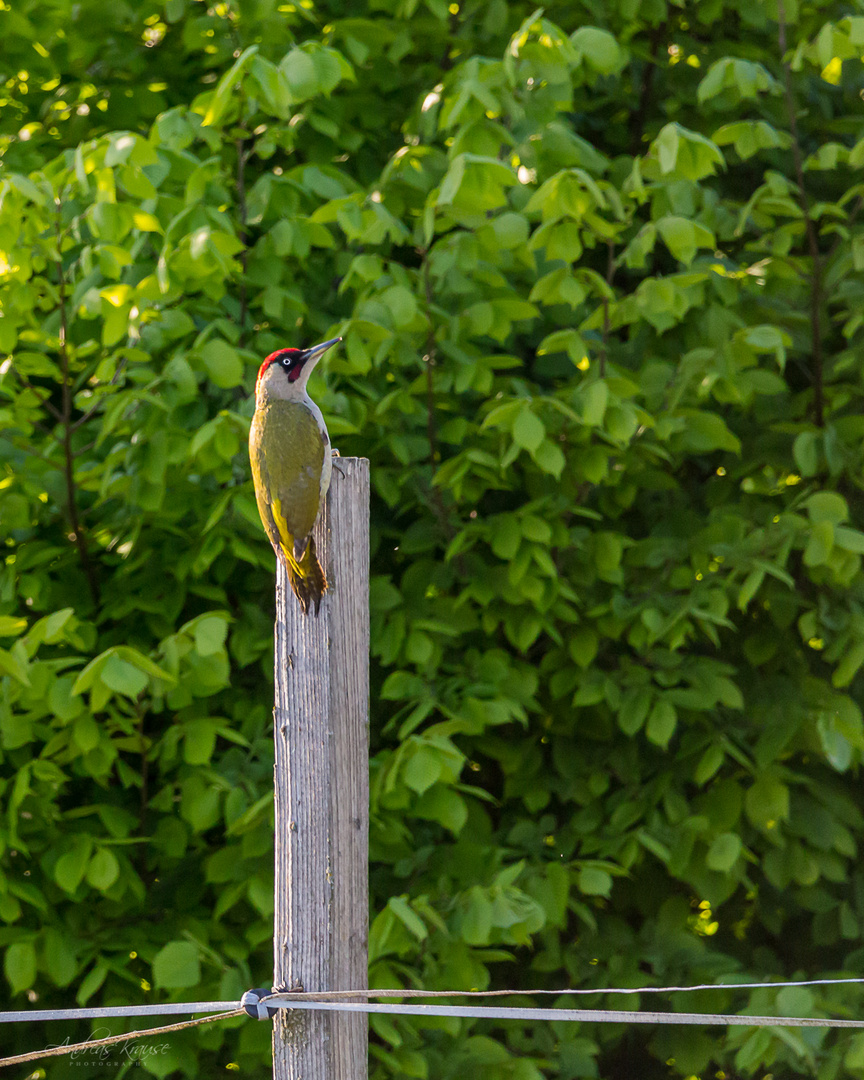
289	449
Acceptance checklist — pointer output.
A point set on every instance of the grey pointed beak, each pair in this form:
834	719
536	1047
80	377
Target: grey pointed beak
317	350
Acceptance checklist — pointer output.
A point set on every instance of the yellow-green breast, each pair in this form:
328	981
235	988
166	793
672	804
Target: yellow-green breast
287	453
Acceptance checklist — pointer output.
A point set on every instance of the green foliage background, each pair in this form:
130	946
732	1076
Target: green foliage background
599	273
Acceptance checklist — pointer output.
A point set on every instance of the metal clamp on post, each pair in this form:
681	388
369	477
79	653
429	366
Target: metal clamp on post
251	1002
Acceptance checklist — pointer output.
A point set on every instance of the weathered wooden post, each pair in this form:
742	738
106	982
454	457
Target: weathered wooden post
321	782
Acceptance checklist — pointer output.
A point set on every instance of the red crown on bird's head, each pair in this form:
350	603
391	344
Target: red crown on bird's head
294	360
279	357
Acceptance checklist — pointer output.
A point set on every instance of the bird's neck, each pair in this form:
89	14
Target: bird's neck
268	393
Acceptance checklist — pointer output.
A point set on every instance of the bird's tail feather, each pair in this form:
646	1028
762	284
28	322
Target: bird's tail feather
306	577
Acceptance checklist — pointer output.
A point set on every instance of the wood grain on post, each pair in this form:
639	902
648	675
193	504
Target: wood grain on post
321	782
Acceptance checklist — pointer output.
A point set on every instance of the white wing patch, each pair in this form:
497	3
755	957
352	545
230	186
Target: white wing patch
327	467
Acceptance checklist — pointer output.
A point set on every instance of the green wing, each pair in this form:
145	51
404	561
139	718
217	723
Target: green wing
286	451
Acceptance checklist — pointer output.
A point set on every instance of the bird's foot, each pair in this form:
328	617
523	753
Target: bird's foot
334	453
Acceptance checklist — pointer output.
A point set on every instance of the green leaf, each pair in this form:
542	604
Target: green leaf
85	732
550	458
709	764
840	732
28	188
854	1057
402	303
11	665
634	709
210	634
110	221
687	152
476	183
423	769
707	431
750	136
583	646
59	955
443	805
849	539
819	544
662	722
750	586
298	67
806	453
103	869
70	868
598	48
528	430
849	666
223	93
767	338
767	802
506	537
176	966
122	677
273	85
224	366
403	911
724	852
91	983
740	79
511	230
594	882
594	401
476	923
559	287
400	685
19	965
684	237
199	741
827	506
143	663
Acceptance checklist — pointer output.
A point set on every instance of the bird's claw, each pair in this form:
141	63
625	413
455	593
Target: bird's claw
334	453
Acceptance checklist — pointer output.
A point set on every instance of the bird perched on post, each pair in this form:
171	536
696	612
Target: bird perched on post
289	450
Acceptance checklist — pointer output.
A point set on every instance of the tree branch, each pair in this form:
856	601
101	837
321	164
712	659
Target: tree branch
26	449
639	116
77	533
35	390
145	791
853	214
446	61
610	274
92	410
816	289
429	360
242	158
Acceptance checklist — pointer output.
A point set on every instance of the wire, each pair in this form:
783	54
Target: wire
129	1036
604	1016
168	1009
262	1004
400	992
335	995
